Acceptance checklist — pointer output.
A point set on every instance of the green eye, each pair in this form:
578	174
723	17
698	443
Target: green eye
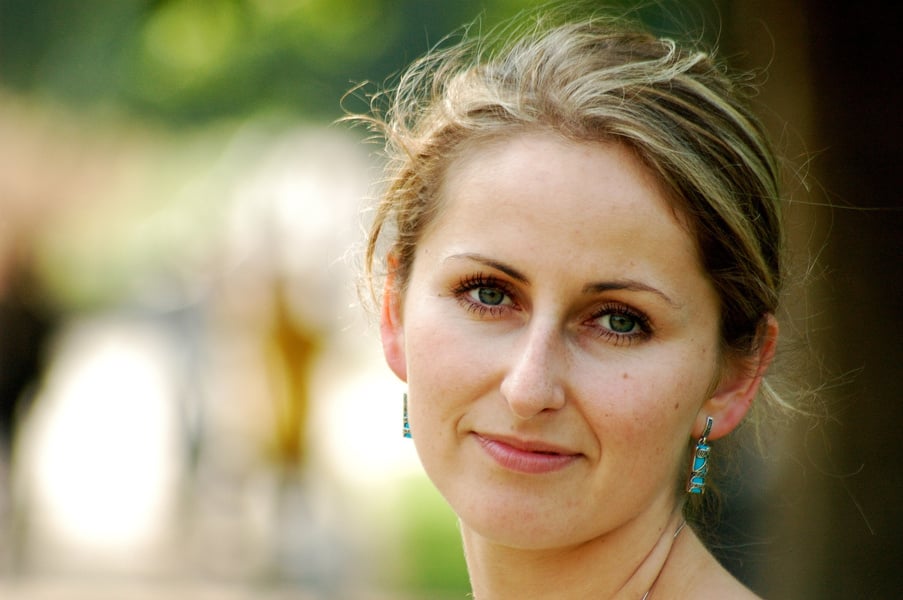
486	296
490	296
620	323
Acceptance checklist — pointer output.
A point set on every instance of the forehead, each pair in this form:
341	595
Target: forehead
600	177
592	199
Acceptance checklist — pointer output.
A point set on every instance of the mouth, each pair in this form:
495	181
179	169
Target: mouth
526	456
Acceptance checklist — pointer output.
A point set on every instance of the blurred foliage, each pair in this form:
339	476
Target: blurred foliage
195	61
434	557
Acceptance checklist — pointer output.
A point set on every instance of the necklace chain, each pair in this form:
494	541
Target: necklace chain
680	528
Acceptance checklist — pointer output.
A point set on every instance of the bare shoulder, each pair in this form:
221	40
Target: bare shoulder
723	585
696	574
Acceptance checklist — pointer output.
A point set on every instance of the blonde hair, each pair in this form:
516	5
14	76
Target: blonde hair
595	80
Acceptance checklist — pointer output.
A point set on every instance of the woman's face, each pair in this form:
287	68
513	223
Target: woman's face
559	340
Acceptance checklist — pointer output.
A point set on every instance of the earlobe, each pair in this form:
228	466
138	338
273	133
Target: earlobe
391	328
738	388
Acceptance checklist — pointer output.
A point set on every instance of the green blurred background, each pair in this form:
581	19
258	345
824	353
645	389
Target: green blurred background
193	403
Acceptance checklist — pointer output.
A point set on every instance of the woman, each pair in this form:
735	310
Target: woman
582	262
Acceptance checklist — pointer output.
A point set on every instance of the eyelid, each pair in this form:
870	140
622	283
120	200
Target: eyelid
612	307
482	280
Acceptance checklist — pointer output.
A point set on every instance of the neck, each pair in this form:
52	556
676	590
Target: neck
623	564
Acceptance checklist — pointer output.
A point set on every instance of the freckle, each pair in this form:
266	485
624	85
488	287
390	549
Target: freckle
676	405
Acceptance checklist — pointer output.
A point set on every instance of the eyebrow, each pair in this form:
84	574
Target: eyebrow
499	266
629	285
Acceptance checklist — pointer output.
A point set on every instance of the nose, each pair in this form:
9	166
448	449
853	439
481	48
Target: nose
533	381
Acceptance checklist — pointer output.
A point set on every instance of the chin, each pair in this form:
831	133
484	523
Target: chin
525	535
521	524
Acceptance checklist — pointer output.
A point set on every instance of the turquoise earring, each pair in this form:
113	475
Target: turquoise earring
406	428
699	466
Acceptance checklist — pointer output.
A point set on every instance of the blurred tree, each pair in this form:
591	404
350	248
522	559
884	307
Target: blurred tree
854	53
196	61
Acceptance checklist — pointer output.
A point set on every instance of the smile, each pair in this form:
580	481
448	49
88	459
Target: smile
526	457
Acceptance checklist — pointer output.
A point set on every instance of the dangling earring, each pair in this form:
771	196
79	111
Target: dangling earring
406	430
699	466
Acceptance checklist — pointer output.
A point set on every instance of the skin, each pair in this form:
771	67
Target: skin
560	342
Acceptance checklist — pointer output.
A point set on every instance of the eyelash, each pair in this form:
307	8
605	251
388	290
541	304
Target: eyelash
477	281
617	308
480	280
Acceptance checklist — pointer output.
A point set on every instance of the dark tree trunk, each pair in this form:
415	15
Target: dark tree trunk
834	517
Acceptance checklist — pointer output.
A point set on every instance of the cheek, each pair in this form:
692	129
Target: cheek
642	422
649	399
443	365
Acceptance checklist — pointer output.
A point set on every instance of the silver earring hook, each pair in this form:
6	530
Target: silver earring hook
709	421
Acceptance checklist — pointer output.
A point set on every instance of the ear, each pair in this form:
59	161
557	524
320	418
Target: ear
391	327
739	385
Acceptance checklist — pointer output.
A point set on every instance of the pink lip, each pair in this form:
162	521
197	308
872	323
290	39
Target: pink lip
526	456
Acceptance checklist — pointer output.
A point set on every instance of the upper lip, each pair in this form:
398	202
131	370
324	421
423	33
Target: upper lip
540	446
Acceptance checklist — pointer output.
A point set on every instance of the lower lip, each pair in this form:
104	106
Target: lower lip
524	461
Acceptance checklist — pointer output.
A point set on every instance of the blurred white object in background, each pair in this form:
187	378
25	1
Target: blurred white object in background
99	459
